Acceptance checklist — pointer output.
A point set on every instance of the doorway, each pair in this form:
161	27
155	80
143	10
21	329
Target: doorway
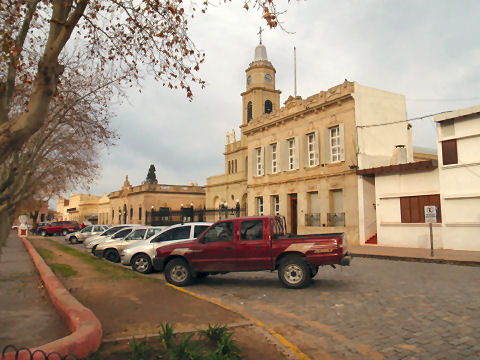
293	213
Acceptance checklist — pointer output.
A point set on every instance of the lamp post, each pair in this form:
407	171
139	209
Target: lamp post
237	208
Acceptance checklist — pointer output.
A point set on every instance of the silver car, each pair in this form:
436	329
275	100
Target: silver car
90	242
140	254
86	232
110	249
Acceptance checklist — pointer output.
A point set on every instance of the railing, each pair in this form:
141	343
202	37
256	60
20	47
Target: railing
166	218
312	219
336	219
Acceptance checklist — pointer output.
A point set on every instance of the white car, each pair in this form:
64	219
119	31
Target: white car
140	255
110	249
87	231
90	242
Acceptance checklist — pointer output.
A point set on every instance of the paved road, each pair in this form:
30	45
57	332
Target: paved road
372	310
375	309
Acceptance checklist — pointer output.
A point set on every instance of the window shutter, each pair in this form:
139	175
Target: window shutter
317	148
305	150
284	155
326	144
268	159
262	160
342	141
297	155
254	162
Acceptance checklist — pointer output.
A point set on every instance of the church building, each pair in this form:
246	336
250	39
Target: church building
300	160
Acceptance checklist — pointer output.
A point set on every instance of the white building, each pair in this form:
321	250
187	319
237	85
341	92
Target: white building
392	198
459	174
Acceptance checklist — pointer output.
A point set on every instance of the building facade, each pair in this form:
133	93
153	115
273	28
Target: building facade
82	208
299	160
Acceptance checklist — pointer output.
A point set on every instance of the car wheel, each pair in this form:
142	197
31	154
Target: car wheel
43	232
112	255
142	264
177	272
294	273
64	232
73	240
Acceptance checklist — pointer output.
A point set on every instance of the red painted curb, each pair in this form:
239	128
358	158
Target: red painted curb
86	329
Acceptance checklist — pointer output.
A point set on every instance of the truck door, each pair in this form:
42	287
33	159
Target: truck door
253	246
216	252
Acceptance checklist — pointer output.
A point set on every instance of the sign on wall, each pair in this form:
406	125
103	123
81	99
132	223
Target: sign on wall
430	214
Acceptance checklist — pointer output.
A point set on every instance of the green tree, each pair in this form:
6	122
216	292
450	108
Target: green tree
151	176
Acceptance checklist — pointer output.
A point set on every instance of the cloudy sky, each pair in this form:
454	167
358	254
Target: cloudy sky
427	50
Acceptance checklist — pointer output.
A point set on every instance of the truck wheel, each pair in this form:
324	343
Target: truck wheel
294	273
43	233
112	255
177	272
64	232
141	263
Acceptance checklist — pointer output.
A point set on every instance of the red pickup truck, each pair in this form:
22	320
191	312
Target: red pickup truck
250	244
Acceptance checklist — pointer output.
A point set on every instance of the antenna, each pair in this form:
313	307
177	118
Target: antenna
295	70
260	33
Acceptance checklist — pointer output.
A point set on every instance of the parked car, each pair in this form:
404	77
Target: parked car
96	239
58	227
111	248
252	244
140	254
120	234
86	232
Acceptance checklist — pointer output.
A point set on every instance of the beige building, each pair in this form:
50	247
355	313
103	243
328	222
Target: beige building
299	160
79	207
132	204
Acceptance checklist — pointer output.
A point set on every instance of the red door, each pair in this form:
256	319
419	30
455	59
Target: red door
216	252
253	246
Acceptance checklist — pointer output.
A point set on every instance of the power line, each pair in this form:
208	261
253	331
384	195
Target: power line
402	121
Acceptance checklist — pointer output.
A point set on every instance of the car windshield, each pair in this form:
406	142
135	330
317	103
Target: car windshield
111	231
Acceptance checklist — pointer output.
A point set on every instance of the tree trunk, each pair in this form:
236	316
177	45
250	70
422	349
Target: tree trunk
5	226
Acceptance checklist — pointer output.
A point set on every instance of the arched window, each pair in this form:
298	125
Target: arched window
249	111
113	215
131	213
268	107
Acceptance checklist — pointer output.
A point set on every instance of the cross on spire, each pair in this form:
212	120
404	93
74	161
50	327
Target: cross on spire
260	33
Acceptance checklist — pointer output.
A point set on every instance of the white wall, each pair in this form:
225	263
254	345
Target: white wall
460	183
391	231
376	143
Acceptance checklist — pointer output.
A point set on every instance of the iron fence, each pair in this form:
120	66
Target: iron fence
336	219
27	354
166	217
312	219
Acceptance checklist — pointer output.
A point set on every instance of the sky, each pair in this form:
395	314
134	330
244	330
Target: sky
427	50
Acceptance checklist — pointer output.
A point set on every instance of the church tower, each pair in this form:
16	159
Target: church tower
260	96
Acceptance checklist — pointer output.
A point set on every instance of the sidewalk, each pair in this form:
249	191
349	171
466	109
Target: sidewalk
457	257
24	302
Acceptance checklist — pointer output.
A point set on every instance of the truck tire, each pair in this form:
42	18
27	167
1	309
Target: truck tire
43	232
141	263
178	273
64	232
294	272
112	255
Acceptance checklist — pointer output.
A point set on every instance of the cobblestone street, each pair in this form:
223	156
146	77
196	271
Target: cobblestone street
375	309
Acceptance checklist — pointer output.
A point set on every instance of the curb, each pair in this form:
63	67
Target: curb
417	259
86	329
295	351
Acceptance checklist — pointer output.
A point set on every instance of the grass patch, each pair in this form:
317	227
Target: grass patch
111	271
45	253
63	269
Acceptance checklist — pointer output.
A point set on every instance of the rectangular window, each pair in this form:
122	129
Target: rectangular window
291	154
412	207
235	165
274	152
229	167
275	205
258	154
449	152
335	153
139	213
312	150
259	204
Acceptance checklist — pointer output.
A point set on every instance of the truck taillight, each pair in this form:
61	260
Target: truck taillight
340	243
